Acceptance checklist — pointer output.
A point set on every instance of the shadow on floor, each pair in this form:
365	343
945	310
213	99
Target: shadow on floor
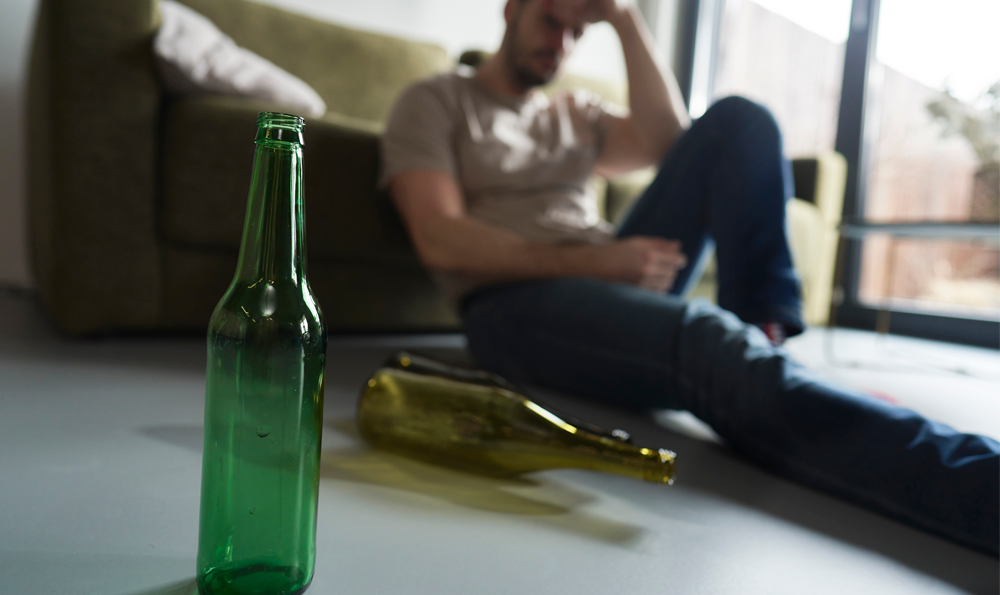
186	587
540	499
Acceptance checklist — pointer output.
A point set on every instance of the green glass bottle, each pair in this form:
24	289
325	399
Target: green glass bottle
264	391
479	422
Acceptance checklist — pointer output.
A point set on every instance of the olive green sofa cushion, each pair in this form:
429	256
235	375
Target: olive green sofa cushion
137	199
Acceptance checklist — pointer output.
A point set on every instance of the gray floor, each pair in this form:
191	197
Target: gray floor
100	460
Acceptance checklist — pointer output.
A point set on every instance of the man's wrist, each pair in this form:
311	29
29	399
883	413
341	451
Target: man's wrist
591	260
554	261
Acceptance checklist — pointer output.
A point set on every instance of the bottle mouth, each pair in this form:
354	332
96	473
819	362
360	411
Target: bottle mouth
280	120
280	127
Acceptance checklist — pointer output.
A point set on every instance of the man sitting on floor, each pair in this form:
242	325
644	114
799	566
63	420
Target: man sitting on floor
491	177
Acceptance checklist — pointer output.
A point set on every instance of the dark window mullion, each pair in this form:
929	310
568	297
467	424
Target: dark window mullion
859	52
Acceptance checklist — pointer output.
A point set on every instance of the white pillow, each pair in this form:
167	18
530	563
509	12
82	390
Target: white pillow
193	56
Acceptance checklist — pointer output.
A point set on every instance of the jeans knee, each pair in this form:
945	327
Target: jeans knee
737	112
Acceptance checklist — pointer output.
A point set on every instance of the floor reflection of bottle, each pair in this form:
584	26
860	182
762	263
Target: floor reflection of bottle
480	424
264	392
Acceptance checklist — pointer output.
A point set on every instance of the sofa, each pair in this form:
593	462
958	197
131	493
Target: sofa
137	198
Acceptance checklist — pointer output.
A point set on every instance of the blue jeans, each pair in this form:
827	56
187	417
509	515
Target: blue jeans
726	182
631	347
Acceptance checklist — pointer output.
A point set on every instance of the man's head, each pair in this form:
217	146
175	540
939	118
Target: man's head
536	41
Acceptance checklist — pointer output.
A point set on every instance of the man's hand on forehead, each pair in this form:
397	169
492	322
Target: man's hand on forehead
574	13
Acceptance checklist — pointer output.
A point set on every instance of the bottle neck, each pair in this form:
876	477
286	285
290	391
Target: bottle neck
273	246
655	465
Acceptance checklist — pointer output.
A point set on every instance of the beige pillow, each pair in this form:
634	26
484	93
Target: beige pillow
194	56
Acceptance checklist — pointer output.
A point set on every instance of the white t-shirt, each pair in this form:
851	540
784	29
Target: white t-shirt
522	164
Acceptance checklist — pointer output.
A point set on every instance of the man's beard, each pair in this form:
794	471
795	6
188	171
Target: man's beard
524	77
527	78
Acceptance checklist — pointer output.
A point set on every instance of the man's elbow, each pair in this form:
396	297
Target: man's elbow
435	257
437	262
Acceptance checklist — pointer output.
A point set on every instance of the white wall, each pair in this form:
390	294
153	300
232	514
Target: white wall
454	24
16	22
457	25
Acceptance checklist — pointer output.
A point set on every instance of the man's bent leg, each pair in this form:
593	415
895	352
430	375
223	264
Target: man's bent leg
631	347
726	180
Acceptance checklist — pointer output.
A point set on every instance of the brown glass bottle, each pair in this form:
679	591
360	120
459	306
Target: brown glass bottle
477	422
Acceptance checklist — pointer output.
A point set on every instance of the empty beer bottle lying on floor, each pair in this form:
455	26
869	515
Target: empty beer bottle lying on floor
479	422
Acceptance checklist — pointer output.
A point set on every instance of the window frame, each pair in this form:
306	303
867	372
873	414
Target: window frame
855	142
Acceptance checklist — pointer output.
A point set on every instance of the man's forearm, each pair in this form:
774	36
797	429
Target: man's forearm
447	239
465	245
655	100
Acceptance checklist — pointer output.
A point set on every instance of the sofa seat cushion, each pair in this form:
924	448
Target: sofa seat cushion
207	157
354	297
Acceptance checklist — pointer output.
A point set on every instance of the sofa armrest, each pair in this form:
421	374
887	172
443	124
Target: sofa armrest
820	180
92	108
813	240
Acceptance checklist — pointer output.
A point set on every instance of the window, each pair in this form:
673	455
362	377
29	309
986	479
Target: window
933	157
919	122
909	92
789	56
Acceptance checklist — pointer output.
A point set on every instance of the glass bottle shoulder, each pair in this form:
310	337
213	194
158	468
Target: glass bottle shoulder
266	310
